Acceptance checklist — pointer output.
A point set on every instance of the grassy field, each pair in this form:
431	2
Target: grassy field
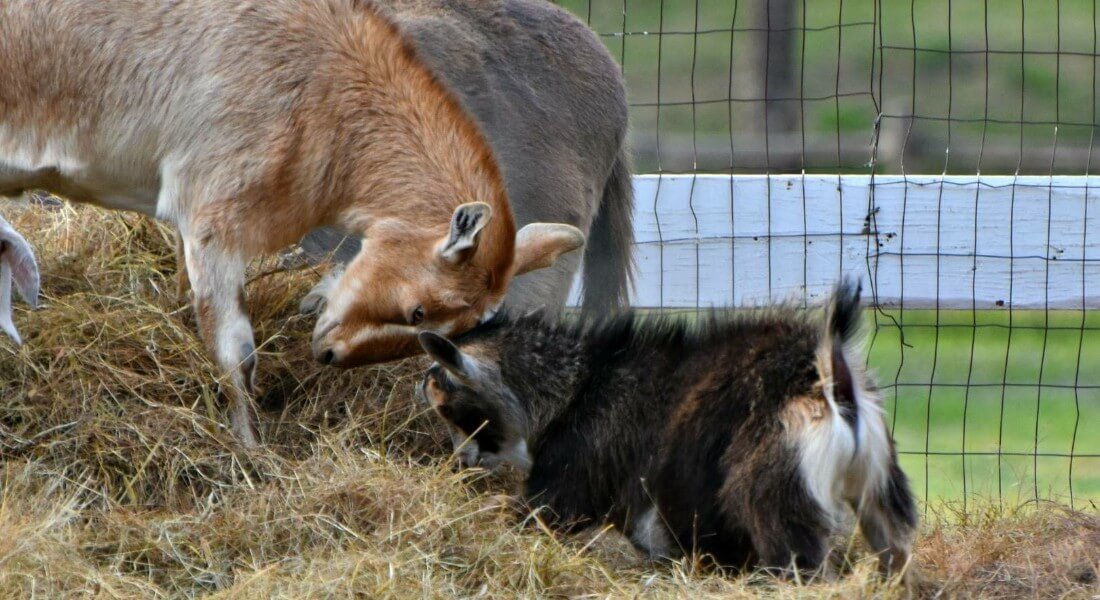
927	57
118	478
979	386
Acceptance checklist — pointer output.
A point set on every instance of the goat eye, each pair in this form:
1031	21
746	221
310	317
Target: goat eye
417	316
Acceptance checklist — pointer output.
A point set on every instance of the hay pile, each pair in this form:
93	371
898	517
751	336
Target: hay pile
119	478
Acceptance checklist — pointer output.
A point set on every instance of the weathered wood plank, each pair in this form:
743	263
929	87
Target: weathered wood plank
955	241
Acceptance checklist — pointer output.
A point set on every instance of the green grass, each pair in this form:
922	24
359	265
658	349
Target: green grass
960	388
942	77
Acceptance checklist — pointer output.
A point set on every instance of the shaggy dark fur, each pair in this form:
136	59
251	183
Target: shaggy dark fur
703	424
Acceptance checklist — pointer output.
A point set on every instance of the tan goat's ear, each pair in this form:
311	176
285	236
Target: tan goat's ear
466	223
539	245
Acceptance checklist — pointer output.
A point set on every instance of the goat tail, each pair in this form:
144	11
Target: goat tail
875	486
842	321
843	312
608	255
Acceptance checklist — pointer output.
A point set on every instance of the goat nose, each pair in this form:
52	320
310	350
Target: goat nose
324	353
323	350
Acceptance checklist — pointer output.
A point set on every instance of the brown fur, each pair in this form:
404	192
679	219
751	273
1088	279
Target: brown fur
368	134
802	411
204	313
248	124
551	102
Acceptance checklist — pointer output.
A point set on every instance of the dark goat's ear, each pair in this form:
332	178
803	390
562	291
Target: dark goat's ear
444	352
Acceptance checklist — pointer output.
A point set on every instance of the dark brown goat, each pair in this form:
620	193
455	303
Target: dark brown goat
746	439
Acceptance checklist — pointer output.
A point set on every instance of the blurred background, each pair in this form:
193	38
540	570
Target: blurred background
1001	402
955	86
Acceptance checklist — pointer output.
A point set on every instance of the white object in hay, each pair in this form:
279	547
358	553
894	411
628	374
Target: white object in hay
17	265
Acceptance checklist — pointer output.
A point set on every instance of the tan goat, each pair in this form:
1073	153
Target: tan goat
247	124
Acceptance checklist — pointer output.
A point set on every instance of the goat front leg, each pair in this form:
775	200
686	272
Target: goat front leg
183	285
217	282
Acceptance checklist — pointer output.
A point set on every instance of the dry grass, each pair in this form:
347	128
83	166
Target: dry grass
119	479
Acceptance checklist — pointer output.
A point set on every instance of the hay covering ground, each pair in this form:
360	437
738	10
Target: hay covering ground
118	478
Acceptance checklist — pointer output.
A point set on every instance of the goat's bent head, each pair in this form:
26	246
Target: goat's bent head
407	279
487	422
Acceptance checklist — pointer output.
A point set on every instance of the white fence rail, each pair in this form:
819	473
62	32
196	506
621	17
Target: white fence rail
951	241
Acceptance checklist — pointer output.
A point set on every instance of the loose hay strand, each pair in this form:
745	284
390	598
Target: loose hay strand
120	479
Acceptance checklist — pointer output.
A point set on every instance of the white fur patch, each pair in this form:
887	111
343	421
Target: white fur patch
515	455
489	314
870	470
340	294
826	450
365	335
218	278
650	532
839	465
168	200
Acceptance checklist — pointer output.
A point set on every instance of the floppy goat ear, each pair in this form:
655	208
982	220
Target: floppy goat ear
444	352
538	245
17	265
466	223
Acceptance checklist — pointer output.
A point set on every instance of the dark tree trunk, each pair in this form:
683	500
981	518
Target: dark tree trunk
774	61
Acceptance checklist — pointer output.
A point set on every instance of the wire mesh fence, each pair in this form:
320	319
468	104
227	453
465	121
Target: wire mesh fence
791	141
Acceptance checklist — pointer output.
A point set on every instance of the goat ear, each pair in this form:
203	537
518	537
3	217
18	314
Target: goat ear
444	352
539	245
466	223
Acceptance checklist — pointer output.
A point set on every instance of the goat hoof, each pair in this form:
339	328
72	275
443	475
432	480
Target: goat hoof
503	503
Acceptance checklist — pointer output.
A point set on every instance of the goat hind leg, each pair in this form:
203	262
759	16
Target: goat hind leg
217	280
888	519
785	546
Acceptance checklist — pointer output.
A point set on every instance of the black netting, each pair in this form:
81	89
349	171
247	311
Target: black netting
990	393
